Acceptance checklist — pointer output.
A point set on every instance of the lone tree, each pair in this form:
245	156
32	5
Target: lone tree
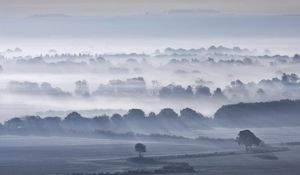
140	148
248	139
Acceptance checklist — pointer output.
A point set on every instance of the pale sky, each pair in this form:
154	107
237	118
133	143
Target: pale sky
128	7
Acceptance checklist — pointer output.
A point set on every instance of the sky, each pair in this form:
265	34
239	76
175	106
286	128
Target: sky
130	7
43	24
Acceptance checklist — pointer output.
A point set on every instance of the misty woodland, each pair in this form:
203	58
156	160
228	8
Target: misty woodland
147	87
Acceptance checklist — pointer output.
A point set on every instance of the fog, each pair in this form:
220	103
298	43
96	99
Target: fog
148	87
201	78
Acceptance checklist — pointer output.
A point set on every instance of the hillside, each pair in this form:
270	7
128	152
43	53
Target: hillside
275	113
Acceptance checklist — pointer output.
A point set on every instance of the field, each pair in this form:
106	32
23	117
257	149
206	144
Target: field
57	155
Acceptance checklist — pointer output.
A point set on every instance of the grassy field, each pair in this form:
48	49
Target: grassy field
55	155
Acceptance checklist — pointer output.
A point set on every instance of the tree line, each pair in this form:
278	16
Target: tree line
134	120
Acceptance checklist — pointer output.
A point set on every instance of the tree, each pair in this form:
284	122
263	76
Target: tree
101	121
14	123
202	91
189	91
74	117
176	91
135	114
218	94
140	148
116	118
248	139
167	114
190	114
82	88
152	116
296	57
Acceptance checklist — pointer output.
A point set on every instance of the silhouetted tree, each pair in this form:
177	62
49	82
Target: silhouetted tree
190	114
53	124
135	114
218	94
168	113
296	57
152	116
101	121
75	121
14	123
140	148
202	91
248	139
34	123
176	91
82	88
289	79
116	118
165	92
189	91
74	116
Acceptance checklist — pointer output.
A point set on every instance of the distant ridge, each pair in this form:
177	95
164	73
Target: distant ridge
274	113
50	15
